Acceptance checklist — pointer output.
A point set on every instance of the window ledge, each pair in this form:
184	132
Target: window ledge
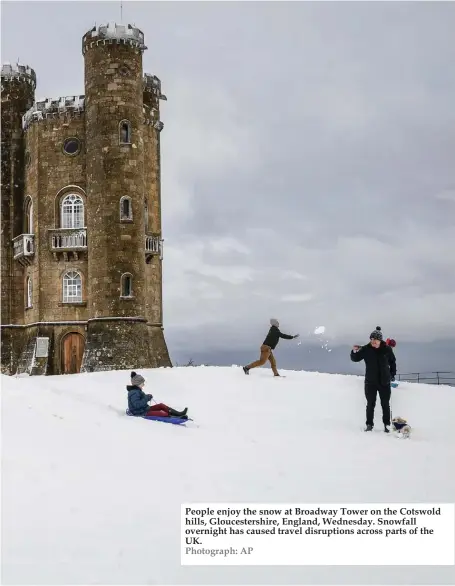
73	303
29	307
126	220
127	297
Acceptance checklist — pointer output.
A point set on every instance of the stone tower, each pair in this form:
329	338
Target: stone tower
93	285
18	83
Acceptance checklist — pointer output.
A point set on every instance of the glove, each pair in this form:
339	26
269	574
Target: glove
149	397
393	379
297	336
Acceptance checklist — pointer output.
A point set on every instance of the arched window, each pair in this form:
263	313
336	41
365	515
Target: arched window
126	285
29	292
72	211
72	287
125	132
146	215
28	216
126	208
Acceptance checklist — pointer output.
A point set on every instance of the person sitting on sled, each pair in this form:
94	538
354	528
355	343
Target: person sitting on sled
138	401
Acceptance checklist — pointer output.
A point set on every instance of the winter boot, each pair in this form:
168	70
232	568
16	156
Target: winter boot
174	413
386	429
368	428
246	370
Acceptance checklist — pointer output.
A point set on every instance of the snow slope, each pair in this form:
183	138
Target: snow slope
90	496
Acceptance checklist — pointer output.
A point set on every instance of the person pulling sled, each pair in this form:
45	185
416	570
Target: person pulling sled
269	344
380	369
138	401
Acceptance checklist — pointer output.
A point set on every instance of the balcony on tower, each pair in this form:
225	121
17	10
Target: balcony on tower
153	247
68	242
24	248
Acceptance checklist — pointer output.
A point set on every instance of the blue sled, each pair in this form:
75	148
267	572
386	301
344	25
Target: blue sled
394	385
174	420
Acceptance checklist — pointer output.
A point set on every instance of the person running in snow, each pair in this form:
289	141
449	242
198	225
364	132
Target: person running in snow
138	401
380	368
269	344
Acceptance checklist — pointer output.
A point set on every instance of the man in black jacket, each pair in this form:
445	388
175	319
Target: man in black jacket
269	344
380	368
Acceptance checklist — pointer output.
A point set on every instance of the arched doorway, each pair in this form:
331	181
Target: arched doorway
72	353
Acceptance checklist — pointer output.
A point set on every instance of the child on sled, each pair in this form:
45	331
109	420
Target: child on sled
138	401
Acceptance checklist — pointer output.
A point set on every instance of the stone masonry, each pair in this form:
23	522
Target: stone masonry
82	245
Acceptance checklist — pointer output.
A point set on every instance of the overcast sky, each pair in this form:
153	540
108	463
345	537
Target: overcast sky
308	159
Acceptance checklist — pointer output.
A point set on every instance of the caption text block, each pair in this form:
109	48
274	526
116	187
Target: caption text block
335	534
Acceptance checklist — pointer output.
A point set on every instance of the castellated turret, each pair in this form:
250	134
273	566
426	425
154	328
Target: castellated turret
83	279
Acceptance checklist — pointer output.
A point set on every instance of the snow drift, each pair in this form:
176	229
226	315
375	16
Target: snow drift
91	496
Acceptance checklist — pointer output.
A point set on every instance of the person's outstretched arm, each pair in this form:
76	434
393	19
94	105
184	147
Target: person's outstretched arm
357	353
287	336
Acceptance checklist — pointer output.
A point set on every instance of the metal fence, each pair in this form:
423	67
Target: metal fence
429	378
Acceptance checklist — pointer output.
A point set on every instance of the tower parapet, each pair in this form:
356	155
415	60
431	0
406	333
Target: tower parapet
151	96
67	106
152	84
18	72
113	33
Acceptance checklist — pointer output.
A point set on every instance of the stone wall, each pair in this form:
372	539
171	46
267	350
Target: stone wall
58	176
17	96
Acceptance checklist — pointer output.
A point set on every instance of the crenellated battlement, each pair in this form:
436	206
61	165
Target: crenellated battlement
113	33
66	106
18	72
152	84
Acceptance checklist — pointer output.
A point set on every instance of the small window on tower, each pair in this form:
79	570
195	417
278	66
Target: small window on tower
28	158
125	132
126	285
29	293
126	209
72	146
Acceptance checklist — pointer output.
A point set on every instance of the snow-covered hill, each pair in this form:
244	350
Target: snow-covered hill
91	496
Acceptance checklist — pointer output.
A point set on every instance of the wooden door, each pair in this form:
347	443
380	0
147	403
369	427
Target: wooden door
72	352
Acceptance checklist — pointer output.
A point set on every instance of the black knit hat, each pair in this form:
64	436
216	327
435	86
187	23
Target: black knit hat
377	334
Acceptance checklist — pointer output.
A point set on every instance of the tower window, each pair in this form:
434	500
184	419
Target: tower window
72	287
72	146
28	216
126	285
72	211
28	158
126	208
29	292
146	216
125	132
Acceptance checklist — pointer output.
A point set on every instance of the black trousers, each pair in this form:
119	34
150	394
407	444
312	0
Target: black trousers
371	391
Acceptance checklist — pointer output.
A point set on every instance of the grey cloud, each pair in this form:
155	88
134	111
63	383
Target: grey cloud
308	138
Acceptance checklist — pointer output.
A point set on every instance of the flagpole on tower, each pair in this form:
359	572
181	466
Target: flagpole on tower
121	11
